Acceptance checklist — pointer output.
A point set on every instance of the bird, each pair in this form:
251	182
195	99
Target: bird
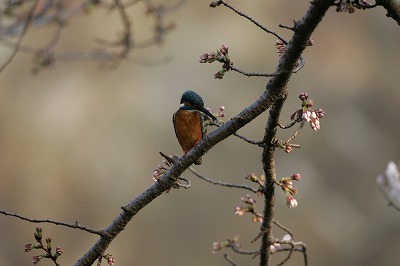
189	121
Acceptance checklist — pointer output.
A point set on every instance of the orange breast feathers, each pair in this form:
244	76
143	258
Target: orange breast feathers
188	128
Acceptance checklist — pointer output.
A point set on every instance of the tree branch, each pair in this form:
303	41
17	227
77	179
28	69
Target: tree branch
392	7
25	27
302	33
76	225
231	185
275	91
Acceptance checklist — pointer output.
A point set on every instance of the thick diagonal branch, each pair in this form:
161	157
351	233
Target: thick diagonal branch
392	7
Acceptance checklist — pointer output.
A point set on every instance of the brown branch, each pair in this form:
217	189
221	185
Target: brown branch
270	177
251	20
254	142
294	246
21	36
231	185
75	226
296	45
235	248
229	260
56	12
284	228
392	7
250	74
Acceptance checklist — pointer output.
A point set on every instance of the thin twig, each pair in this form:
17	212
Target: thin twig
304	251
229	260
221	183
249	74
291	124
125	41
21	36
75	226
253	21
254	142
294	246
238	250
296	132
284	228
289	255
277	224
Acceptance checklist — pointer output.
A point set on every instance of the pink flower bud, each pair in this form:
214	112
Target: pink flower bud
203	58
296	177
291	202
303	96
224	49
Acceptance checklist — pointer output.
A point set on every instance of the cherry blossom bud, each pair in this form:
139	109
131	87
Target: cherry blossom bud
220	74
224	49
28	247
320	113
292	191
203	58
296	177
239	210
303	96
286	237
291	202
306	116
216	246
36	259
257	219
111	261
275	247
59	251
38	234
287	148
211	57
252	177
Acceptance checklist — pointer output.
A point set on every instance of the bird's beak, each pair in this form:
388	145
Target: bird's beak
204	110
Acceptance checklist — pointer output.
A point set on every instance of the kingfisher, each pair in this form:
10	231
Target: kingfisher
189	121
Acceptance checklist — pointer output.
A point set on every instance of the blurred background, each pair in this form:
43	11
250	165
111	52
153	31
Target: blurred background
77	141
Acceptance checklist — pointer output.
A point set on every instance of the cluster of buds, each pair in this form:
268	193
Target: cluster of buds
160	170
351	5
47	248
259	180
225	244
307	113
221	56
109	258
287	186
250	208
